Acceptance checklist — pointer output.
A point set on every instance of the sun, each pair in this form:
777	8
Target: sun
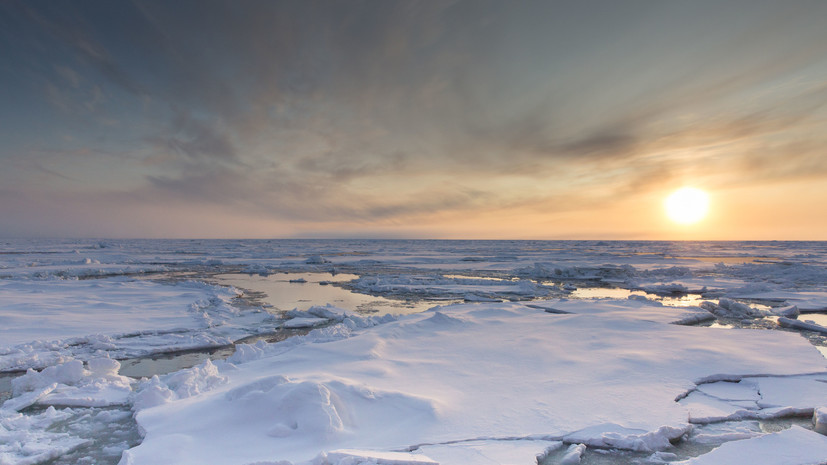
687	205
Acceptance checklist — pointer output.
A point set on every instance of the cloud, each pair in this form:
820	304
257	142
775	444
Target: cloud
68	27
394	111
197	140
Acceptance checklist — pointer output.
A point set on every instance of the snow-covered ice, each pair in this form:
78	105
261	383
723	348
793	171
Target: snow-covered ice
465	372
47	321
794	446
528	367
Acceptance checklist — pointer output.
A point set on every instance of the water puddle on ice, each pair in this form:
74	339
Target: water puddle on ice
603	293
161	364
286	291
146	367
682	300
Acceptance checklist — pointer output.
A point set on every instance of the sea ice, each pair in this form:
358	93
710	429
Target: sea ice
416	381
483	381
45	322
802	325
793	446
760	397
70	384
820	420
491	452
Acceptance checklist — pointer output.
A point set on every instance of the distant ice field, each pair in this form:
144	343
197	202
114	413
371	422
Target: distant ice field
412	352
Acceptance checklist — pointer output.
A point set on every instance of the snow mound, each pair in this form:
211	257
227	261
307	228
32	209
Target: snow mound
181	384
286	418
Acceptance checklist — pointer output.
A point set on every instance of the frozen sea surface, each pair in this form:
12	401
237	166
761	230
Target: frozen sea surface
491	351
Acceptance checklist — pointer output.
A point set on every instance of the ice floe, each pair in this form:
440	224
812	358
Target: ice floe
794	446
459	373
44	322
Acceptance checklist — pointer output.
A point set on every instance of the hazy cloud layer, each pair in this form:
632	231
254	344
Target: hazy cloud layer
295	113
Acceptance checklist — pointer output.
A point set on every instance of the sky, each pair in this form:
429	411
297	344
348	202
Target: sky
401	119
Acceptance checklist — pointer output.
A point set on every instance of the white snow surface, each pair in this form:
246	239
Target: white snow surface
489	452
794	446
462	373
485	382
48	321
758	397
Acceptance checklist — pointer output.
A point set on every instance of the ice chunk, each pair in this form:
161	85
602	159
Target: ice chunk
661	457
304	322
356	457
694	319
492	452
802	325
664	289
26	439
479	298
757	397
793	446
719	433
820	420
573	454
610	435
328	312
790	311
26	399
152	393
178	385
74	385
728	308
